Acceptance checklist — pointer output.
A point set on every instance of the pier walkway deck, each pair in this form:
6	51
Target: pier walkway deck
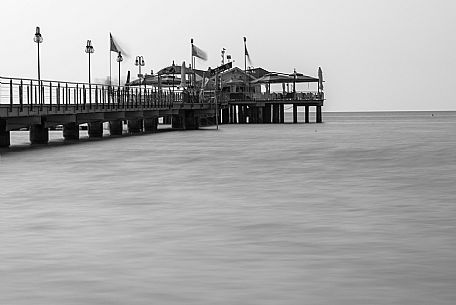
38	106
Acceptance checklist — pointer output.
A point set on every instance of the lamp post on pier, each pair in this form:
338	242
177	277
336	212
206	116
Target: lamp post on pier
38	39
140	63
89	50
119	60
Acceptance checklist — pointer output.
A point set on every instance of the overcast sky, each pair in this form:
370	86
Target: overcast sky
375	55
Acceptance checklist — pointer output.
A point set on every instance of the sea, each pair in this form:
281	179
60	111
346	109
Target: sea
358	210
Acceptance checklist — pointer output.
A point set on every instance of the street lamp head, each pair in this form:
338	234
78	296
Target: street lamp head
139	61
89	47
119	57
38	38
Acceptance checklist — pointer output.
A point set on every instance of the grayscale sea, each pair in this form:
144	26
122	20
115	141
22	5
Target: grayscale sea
358	210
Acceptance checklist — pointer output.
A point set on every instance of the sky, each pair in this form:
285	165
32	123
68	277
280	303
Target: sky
390	55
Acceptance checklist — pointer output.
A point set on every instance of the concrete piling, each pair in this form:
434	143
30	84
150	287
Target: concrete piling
135	126
282	113
71	131
295	113
39	134
151	125
116	127
306	115
5	139
95	129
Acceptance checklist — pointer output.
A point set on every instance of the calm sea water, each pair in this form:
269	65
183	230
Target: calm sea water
358	210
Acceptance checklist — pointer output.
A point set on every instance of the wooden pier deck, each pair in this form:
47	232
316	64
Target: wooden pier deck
26	103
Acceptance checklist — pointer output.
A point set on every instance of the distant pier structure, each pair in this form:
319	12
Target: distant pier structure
182	97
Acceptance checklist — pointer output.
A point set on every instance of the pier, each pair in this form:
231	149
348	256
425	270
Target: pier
41	105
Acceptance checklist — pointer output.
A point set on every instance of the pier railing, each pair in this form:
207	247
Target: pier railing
33	93
274	96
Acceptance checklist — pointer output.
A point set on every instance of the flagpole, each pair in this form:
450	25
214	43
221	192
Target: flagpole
245	55
110	59
191	62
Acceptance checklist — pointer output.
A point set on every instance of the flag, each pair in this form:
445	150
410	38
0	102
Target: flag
320	77
114	46
246	52
198	52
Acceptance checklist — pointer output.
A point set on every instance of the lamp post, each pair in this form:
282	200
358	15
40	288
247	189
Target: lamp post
140	63
89	50
119	60
38	39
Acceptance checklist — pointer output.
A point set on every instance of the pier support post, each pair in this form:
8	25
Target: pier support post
95	130
191	120
151	125
225	116
167	120
245	114
177	121
235	113
282	113
306	115
231	107
71	131
260	114
254	114
5	139
115	128
267	114
135	126
295	113
275	113
39	134
319	116
241	113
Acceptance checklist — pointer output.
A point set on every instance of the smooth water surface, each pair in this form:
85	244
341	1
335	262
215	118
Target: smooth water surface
358	210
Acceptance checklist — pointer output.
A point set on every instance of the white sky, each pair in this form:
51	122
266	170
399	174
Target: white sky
375	55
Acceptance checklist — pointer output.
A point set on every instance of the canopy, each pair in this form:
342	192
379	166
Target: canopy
272	78
280	78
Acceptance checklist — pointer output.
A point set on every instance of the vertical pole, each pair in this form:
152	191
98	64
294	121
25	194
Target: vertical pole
39	73
119	74
11	95
295	113
306	114
191	61
216	101
110	83
90	85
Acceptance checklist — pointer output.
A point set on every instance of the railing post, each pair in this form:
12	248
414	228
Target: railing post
21	97
67	96
28	97
11	95
42	96
57	94
36	95
84	97
136	97
76	91
96	96
50	96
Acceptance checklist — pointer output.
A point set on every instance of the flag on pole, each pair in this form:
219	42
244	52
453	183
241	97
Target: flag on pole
198	52
246	52
114	46
320	77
